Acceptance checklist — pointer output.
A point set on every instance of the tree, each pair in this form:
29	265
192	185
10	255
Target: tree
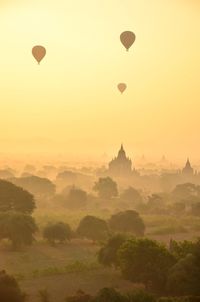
146	261
109	295
15	198
140	296
156	204
184	276
93	228
106	188
108	254
44	295
19	228
9	289
76	198
127	222
186	192
38	186
57	232
195	209
182	249
132	196
80	296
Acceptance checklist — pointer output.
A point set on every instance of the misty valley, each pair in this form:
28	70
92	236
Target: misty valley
107	233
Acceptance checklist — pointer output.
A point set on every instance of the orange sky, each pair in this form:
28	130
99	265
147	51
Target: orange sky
69	104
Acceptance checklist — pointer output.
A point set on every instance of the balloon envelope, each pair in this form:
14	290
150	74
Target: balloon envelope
39	53
122	87
127	38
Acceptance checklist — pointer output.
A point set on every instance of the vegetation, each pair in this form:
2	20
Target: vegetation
127	222
17	227
146	261
93	228
13	198
57	232
108	254
132	196
106	188
38	186
9	289
76	198
124	258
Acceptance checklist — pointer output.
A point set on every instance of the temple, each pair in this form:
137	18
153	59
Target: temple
121	165
188	170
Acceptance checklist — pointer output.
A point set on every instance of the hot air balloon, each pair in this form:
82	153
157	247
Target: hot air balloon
122	87
127	38
39	53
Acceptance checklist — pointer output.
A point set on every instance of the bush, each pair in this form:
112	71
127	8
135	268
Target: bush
57	232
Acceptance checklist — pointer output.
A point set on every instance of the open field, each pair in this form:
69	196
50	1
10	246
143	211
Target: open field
62	270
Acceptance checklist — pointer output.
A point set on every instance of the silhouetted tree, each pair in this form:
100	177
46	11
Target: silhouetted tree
19	228
57	232
132	196
140	295
44	295
183	278
108	254
80	296
186	192
38	186
146	261
106	188
182	248
9	289
109	295
15	198
6	174
76	198
195	209
155	204
93	228
127	222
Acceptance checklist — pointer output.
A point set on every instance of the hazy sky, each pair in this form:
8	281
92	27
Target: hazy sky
70	102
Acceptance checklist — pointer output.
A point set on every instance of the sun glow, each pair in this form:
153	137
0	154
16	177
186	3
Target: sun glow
71	102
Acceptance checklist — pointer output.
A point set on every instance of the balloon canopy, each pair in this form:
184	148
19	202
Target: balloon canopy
39	53
122	87
127	38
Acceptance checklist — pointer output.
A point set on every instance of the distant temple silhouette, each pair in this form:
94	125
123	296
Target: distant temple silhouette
188	170
121	165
